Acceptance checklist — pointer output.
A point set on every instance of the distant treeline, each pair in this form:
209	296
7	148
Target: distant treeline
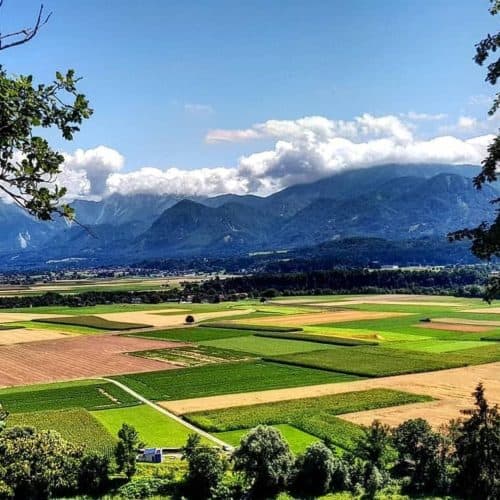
91	298
462	282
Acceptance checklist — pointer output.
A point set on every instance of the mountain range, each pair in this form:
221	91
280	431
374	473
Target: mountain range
393	202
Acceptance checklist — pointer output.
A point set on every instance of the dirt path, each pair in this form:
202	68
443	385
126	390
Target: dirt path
451	388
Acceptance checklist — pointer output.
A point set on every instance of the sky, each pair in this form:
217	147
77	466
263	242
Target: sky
207	97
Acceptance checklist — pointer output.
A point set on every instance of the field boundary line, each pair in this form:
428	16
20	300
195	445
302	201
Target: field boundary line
168	414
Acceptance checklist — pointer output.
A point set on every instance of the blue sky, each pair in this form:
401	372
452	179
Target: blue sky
162	74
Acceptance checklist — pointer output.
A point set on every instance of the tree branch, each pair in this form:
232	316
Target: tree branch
26	34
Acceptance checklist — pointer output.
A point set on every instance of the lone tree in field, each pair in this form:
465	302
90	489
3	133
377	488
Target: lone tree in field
29	167
486	237
126	450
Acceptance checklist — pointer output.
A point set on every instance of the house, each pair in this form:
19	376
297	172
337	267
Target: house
151	455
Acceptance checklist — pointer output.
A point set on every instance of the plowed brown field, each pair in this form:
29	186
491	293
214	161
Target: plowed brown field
77	357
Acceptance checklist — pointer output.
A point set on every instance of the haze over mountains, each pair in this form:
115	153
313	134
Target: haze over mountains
393	202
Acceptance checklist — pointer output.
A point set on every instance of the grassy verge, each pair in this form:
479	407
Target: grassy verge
225	378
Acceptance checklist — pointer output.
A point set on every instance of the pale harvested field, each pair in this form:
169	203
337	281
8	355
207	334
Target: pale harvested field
463	321
452	390
387	302
454	327
157	320
483	310
77	357
22	335
11	317
322	317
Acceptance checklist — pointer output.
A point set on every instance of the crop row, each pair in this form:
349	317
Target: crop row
75	425
88	396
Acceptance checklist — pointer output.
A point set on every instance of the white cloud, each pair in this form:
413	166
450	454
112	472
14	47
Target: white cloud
85	172
221	135
198	109
304	150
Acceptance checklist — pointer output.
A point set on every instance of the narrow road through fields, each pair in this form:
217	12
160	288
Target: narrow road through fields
168	414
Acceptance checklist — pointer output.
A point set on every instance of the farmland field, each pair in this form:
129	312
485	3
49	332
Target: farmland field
225	379
194	355
195	334
75	425
318	366
370	361
312	415
297	439
93	322
155	429
264	346
90	395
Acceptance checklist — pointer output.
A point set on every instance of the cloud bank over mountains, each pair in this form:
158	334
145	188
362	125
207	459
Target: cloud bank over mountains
288	152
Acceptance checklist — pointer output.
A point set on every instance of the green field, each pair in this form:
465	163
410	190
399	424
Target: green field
315	416
155	429
297	439
319	338
264	346
90	395
75	425
228	378
195	355
91	321
193	334
370	361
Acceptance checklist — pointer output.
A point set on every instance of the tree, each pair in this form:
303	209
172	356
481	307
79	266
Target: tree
126	450
315	470
265	459
375	449
421	456
28	165
486	237
37	464
206	467
93	474
477	451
